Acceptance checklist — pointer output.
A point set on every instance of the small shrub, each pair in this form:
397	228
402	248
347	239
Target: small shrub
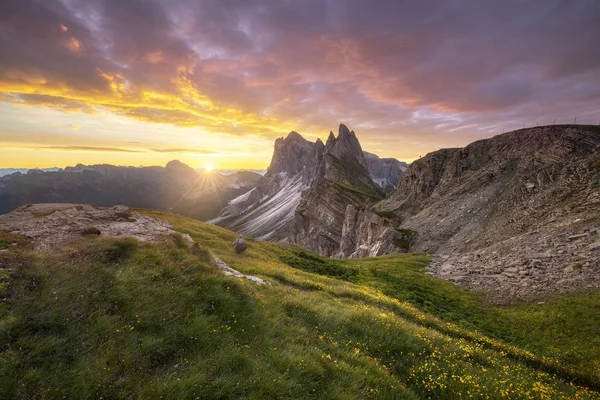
385	214
91	230
404	238
596	164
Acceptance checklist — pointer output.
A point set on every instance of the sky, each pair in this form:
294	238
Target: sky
214	82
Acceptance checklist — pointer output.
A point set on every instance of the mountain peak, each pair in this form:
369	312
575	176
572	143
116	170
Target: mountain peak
343	131
330	139
346	146
175	164
291	154
294	136
386	172
178	167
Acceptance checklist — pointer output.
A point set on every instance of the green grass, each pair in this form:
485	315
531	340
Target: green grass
349	172
566	327
7	239
363	191
122	319
310	262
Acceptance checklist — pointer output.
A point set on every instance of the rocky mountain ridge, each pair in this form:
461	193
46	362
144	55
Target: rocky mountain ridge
514	216
307	188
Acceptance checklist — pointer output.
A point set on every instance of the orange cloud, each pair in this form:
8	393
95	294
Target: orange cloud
74	45
154	58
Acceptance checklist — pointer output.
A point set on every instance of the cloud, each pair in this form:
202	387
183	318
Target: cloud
394	71
88	148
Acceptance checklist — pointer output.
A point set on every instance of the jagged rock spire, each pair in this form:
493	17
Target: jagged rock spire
290	155
346	146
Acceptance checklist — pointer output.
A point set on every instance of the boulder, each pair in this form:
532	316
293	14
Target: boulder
240	245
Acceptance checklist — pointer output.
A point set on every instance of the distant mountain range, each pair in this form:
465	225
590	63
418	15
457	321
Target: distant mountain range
175	187
518	213
9	171
233	171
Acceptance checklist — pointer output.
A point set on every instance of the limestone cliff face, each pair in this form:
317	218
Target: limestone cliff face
319	220
366	234
492	190
268	210
342	181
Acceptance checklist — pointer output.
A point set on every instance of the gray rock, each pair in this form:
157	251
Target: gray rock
594	246
386	172
240	245
50	225
539	256
578	236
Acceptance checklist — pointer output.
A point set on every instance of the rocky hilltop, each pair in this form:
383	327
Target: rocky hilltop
518	213
308	187
176	187
51	225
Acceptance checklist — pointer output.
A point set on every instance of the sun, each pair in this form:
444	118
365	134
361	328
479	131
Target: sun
209	168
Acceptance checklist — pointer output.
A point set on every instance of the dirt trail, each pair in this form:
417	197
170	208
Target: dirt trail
227	270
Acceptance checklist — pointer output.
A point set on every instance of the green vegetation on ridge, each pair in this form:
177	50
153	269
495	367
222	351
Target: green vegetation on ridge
123	319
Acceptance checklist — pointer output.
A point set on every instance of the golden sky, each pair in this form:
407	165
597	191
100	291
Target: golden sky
211	83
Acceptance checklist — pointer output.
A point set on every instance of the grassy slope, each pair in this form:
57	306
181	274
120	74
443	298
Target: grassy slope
115	318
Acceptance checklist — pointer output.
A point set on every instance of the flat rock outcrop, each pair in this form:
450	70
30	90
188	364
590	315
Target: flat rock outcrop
51	224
